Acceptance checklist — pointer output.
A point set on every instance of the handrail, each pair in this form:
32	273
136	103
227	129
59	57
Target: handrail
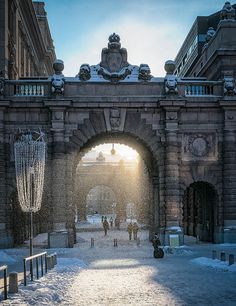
4	269
31	258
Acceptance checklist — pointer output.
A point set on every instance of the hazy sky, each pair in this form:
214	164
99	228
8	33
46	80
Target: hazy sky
151	30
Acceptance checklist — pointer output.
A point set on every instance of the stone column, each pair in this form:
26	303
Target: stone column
229	182
70	208
58	182
155	217
4	38
172	187
4	239
59	236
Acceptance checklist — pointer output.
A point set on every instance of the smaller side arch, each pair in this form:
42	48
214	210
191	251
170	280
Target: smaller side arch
201	211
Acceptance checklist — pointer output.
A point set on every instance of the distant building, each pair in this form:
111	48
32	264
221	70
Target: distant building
208	45
26	45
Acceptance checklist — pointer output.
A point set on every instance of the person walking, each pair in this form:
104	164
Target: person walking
135	230
111	222
130	230
117	223
105	225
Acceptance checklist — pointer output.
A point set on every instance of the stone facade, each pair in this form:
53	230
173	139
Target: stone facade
26	44
209	48
184	130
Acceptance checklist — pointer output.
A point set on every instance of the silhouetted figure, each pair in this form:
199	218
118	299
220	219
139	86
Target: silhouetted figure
111	222
105	225
117	223
135	230
158	252
130	230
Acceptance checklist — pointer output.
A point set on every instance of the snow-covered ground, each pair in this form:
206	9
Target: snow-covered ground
128	274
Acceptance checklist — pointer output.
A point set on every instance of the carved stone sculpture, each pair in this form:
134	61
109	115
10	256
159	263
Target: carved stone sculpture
114	66
114	41
170	79
227	12
58	79
115	118
210	33
144	73
171	84
84	72
115	76
1	86
229	86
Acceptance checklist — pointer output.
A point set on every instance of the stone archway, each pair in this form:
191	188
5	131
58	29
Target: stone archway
200	211
99	200
130	128
128	184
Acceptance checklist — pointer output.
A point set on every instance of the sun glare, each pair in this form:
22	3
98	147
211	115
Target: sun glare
121	150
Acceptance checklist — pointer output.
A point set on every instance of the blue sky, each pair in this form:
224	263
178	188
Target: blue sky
151	30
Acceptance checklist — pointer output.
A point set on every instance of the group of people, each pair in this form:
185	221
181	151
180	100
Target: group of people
132	229
106	224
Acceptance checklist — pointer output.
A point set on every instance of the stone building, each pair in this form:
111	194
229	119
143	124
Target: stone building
26	44
209	48
184	129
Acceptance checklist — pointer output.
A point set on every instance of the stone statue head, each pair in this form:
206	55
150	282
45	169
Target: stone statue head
229	87
144	72
85	72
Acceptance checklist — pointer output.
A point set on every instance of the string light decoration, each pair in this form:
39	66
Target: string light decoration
29	149
30	164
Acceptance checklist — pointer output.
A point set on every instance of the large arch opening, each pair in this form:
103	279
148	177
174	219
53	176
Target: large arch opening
200	205
113	180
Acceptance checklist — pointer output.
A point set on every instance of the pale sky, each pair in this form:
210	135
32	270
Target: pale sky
151	30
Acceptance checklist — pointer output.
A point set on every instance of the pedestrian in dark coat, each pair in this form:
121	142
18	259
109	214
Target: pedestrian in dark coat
130	230
105	225
135	230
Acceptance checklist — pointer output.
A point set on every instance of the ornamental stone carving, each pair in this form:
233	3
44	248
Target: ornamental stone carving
171	80
2	82
58	79
229	86
227	12
114	65
210	33
84	72
199	147
144	73
115	119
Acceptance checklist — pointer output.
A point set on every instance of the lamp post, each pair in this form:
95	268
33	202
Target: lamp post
29	149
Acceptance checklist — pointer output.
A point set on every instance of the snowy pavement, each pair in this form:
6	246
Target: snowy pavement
129	275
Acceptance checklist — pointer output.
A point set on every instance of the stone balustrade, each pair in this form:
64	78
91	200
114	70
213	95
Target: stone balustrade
74	87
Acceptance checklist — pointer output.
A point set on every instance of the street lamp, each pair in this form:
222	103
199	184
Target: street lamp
29	149
113	151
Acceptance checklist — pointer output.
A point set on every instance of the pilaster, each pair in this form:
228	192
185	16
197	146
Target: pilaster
173	211
229	177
